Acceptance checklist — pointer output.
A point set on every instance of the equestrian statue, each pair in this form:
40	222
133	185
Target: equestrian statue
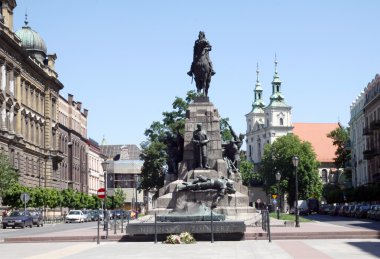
201	67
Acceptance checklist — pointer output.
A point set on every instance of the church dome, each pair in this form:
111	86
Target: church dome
32	41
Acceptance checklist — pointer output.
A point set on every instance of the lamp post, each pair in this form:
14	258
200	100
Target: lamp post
295	161
137	181
105	167
278	178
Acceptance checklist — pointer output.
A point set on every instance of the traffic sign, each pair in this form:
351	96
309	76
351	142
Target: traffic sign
274	196
101	193
274	201
24	197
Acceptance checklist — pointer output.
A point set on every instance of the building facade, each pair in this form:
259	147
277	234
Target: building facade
365	135
95	170
72	139
358	142
29	94
123	172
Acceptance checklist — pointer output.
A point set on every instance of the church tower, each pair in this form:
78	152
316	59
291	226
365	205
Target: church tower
266	124
255	122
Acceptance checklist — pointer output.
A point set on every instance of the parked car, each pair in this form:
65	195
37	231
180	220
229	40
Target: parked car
96	214
342	210
354	210
87	215
350	211
37	218
75	216
323	208
313	205
377	214
361	212
371	213
20	219
334	210
118	214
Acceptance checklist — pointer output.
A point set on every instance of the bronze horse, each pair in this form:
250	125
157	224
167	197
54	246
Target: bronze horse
201	68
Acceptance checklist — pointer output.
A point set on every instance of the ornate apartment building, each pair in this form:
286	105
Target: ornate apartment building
44	135
365	135
29	94
73	143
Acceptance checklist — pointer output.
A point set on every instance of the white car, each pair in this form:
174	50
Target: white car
75	216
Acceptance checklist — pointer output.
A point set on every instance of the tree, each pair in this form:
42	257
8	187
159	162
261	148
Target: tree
341	137
8	175
119	198
278	158
246	171
161	137
12	195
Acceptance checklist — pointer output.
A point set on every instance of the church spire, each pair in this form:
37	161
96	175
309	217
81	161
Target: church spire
276	85
258	104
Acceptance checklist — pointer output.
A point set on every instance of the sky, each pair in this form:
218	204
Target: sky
126	61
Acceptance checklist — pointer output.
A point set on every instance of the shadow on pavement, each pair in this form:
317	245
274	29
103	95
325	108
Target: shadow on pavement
368	247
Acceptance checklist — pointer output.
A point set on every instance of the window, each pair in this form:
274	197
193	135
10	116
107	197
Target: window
281	121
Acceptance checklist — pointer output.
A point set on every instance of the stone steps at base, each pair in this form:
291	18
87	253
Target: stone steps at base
313	235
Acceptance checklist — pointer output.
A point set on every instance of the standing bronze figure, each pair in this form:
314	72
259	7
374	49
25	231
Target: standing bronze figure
200	141
201	67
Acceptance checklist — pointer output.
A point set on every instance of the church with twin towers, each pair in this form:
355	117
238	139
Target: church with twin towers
265	123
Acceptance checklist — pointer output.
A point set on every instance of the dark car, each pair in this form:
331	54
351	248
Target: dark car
371	213
37	218
313	205
20	219
118	214
361	212
96	214
334	211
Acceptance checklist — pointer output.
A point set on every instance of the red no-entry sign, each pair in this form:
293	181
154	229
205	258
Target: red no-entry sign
101	193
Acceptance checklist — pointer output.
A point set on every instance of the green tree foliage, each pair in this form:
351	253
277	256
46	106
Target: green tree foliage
8	176
155	151
225	130
71	199
246	171
341	138
119	198
12	195
278	158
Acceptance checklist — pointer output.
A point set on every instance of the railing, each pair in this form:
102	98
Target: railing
54	220
265	223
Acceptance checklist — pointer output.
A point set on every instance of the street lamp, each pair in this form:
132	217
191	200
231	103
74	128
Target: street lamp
106	219
278	178
295	161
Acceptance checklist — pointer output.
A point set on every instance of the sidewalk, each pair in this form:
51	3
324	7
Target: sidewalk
309	230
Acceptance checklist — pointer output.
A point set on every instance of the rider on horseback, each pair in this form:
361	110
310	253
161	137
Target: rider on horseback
200	45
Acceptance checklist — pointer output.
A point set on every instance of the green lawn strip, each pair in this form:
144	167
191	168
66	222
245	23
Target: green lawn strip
289	217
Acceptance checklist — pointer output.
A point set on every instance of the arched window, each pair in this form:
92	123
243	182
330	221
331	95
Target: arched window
324	176
281	121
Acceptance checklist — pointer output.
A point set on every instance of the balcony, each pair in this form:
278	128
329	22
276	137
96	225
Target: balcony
367	131
370	153
375	125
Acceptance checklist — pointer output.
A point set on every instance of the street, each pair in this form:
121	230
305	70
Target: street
346	221
47	228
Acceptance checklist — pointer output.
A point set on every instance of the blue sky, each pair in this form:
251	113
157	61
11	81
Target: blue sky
126	61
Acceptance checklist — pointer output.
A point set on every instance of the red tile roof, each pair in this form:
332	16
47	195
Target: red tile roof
316	134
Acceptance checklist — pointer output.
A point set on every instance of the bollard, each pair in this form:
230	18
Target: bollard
114	222
268	227
212	229
155	227
97	240
122	219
